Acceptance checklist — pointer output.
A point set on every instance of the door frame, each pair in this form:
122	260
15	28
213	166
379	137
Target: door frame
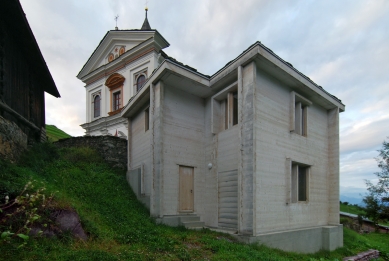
180	191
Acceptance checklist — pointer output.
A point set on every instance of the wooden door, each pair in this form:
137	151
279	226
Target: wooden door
186	189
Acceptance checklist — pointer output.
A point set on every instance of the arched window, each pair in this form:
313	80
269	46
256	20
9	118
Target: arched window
96	106
140	81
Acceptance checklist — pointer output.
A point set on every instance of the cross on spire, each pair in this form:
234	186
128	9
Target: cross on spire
116	18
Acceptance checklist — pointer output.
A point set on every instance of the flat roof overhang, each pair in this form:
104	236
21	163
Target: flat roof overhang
172	75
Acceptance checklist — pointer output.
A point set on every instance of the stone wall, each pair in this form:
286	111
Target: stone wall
112	149
13	141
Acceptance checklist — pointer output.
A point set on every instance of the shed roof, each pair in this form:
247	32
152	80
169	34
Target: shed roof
14	18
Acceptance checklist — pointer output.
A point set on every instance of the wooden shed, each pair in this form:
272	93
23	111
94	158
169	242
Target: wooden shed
24	76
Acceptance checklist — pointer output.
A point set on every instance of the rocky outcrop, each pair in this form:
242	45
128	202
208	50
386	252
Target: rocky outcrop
65	221
112	149
13	141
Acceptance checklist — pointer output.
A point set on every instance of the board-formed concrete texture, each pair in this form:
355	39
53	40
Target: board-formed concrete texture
306	240
258	140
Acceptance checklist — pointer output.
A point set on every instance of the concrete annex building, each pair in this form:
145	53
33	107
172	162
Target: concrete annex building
253	149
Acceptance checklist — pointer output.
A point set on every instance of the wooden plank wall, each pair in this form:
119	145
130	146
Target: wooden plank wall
22	90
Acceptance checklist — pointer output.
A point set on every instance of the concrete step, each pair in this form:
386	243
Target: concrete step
190	218
193	224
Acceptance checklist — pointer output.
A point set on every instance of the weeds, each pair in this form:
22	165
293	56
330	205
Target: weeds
19	215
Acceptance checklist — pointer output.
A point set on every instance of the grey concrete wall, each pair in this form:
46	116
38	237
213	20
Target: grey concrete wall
306	240
157	135
134	179
247	81
140	149
333	169
209	197
276	144
183	144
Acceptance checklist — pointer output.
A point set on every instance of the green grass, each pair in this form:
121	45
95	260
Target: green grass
351	209
357	210
119	227
54	134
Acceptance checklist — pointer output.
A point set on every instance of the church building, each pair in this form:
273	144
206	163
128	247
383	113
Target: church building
252	149
115	72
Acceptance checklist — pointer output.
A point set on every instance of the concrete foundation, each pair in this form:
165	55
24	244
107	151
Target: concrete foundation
308	240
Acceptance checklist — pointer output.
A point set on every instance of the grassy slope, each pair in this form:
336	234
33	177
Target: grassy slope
351	209
54	134
119	227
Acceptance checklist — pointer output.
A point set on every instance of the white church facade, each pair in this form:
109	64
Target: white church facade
252	149
114	73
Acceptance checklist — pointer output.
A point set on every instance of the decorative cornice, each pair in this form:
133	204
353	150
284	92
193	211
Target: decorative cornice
119	66
114	81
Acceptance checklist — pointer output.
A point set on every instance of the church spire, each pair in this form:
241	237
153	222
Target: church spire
146	25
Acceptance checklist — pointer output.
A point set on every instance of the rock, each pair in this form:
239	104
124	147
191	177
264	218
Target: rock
65	220
68	220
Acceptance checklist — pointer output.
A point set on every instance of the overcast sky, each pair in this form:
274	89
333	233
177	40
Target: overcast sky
341	45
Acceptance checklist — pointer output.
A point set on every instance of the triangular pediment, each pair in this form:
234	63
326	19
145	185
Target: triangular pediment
118	44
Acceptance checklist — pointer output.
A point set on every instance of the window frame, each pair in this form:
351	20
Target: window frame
115	84
299	175
116	100
299	114
93	109
98	96
136	77
225	108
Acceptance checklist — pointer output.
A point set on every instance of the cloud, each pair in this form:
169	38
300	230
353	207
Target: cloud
341	45
364	135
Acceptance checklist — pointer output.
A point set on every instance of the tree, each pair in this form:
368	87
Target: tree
377	199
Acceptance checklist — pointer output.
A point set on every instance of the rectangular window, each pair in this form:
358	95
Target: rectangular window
116	101
225	108
147	119
300	182
231	110
235	108
299	114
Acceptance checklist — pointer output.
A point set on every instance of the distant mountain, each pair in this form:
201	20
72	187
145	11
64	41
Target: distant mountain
54	134
351	200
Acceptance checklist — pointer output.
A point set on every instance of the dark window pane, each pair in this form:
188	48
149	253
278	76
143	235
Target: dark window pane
235	108
302	184
139	82
96	106
116	101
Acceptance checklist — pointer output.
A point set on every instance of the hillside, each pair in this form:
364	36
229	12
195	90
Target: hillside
54	134
118	226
